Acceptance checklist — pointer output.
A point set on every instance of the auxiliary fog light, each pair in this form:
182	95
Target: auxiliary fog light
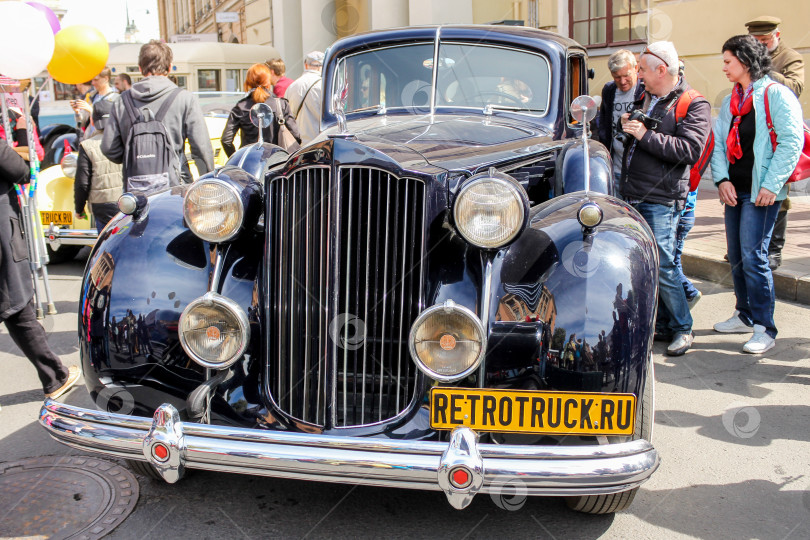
214	331
447	342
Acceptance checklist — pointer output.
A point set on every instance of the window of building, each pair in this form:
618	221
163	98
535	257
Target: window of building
208	79
233	80
600	23
64	91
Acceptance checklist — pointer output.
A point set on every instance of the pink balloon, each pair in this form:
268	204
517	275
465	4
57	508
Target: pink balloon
53	20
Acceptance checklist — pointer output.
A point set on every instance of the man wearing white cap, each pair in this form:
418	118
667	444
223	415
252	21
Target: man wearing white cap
304	95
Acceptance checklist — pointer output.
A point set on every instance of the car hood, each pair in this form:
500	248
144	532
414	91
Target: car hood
453	142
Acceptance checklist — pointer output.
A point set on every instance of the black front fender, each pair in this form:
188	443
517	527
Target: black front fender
575	309
140	276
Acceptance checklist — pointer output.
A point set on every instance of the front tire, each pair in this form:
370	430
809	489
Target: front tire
143	468
63	254
616	502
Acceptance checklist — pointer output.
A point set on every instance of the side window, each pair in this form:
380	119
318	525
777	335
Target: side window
208	79
577	82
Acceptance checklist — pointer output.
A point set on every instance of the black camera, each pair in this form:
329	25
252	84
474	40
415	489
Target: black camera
649	123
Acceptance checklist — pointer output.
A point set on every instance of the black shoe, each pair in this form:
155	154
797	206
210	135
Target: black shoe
774	261
662	336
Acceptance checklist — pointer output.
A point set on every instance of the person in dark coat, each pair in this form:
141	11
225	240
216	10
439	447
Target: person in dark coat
16	286
257	83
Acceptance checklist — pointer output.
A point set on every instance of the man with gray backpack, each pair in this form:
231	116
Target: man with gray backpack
150	124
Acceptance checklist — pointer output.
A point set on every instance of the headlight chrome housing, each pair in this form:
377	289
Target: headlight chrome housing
214	331
213	210
490	209
447	342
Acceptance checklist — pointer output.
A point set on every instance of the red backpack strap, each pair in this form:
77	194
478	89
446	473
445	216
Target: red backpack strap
768	120
683	103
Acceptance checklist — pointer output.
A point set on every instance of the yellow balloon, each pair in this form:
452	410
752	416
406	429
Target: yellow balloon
80	54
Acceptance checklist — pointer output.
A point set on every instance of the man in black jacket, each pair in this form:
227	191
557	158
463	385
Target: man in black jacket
618	97
16	287
655	176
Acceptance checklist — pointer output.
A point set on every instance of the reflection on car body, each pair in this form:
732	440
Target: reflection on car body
445	255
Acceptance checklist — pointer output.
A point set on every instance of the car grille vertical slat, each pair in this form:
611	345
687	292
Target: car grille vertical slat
364	251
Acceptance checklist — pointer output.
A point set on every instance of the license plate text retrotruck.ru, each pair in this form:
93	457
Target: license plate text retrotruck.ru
571	413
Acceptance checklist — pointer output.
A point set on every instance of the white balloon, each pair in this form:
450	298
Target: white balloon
26	42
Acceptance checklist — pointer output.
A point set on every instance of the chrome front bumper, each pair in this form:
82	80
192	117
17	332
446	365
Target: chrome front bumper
171	445
57	237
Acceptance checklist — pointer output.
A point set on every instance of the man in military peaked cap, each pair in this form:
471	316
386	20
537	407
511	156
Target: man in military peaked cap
788	65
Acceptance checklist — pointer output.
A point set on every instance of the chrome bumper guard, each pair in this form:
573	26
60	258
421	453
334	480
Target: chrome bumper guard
460	468
56	236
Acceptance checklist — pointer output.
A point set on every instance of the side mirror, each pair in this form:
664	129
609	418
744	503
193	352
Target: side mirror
591	73
261	116
583	109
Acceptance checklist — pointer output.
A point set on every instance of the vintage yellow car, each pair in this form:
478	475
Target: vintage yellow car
64	232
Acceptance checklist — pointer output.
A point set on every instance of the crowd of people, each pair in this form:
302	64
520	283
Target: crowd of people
758	139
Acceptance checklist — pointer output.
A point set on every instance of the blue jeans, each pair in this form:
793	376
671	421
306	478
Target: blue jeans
685	223
748	233
673	315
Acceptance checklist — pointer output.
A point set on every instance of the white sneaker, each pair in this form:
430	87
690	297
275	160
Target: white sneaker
759	342
733	325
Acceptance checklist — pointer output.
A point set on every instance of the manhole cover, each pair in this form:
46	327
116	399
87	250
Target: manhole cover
64	497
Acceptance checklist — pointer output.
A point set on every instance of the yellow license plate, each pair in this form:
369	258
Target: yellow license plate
533	411
55	217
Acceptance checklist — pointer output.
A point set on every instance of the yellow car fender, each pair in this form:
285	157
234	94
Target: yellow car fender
55	200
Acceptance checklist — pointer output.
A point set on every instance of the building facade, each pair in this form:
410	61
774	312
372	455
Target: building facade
697	27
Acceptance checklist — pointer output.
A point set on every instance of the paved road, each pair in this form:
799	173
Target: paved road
732	429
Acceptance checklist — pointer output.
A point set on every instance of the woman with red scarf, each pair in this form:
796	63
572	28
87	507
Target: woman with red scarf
750	172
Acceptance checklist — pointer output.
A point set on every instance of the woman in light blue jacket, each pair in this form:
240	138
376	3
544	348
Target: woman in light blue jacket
750	176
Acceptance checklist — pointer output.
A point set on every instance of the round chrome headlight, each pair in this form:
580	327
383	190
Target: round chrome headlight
447	342
214	331
490	211
213	210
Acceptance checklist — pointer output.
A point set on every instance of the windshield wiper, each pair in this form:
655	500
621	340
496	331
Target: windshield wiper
489	108
379	108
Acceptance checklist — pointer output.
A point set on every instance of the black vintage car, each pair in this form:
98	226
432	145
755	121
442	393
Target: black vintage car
440	292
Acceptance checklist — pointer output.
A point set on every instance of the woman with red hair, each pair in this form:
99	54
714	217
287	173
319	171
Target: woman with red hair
257	85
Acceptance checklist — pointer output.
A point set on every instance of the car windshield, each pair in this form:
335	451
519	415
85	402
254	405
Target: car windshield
470	75
218	103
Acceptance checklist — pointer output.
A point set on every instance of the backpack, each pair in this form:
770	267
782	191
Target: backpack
802	169
150	162
699	167
286	140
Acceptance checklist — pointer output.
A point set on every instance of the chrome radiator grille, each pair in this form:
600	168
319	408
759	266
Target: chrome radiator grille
344	281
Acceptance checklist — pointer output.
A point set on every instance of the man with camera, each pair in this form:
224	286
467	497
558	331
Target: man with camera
655	175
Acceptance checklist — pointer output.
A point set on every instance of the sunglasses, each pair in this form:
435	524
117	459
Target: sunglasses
648	51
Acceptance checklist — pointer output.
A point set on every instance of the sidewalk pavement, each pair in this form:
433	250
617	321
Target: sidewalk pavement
706	245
